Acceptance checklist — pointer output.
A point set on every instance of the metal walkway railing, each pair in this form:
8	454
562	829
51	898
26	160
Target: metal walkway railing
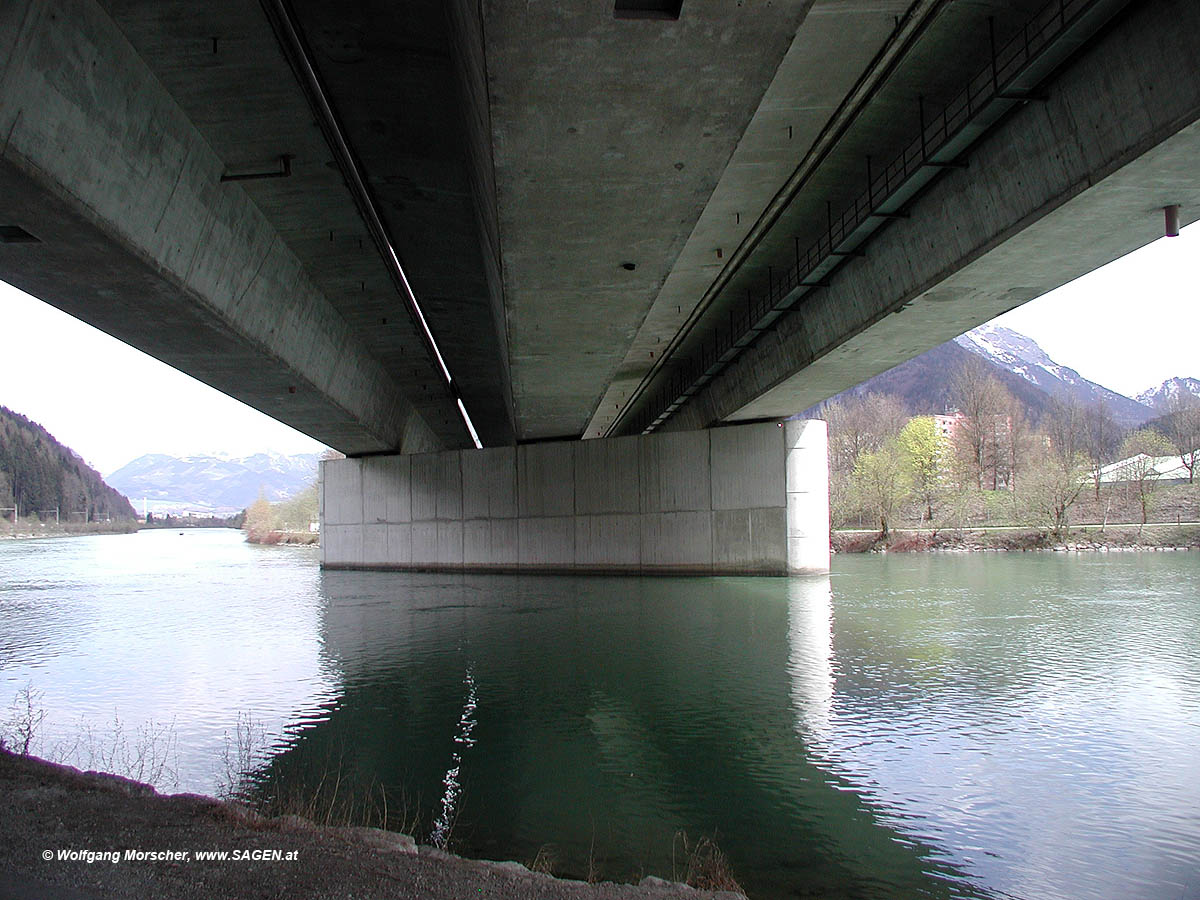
1010	78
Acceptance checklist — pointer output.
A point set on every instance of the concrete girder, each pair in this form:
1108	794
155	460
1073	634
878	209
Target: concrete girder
851	85
1057	190
139	237
609	136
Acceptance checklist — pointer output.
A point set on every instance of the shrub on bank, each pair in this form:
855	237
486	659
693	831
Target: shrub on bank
285	522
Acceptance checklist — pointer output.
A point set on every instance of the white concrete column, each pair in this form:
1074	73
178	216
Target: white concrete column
807	444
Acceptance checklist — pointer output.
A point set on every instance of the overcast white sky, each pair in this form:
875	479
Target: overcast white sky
1128	326
111	403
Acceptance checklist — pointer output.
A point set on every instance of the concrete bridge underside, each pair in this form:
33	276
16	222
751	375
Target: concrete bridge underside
368	219
581	203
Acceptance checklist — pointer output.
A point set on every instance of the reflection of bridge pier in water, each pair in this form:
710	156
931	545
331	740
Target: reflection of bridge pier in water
611	712
810	664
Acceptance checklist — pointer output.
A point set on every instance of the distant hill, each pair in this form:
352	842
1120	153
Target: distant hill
41	475
1160	397
924	382
213	484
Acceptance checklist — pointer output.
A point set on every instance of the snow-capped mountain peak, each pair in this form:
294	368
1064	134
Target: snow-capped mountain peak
1022	356
216	482
1160	397
1019	354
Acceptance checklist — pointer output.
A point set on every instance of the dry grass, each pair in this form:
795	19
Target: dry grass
25	718
148	753
702	864
329	797
545	861
332	801
593	869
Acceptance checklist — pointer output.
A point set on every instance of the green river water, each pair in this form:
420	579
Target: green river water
987	725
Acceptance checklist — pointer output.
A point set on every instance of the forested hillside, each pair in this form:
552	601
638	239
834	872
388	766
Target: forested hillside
39	475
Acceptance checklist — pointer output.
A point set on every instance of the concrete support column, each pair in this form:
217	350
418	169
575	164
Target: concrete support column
746	500
807	497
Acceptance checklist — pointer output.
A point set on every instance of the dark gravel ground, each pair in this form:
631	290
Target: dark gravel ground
51	809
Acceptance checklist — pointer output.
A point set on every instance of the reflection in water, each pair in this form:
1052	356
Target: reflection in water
810	666
440	834
1027	716
187	635
925	726
612	714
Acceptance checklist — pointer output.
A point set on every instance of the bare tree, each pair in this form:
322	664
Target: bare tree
1102	438
1139	450
1066	427
980	398
1016	440
1181	425
860	425
1052	486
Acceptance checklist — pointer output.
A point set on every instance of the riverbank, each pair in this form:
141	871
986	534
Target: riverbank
72	834
67	529
1096	538
301	538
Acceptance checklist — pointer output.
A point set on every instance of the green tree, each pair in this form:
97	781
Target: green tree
880	483
857	424
924	453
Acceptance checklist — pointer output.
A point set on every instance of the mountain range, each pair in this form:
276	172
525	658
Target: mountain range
1159	398
1023	367
212	485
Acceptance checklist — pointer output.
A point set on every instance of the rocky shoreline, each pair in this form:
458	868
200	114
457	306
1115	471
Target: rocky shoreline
1157	537
87	835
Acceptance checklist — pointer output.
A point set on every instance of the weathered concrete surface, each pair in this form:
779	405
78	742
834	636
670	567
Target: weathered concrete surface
1059	189
729	500
609	136
426	161
847	89
569	191
837	39
139	237
48	807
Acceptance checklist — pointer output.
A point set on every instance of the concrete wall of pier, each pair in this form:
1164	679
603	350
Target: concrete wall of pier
749	499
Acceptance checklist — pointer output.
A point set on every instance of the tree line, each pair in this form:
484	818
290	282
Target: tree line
987	461
40	477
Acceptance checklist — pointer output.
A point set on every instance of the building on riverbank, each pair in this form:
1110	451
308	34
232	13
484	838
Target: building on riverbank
1141	467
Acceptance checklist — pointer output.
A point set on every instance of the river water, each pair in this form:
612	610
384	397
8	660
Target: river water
980	725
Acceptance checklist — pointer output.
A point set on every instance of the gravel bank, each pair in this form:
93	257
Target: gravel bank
74	817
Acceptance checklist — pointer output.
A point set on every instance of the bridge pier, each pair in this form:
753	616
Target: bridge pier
749	499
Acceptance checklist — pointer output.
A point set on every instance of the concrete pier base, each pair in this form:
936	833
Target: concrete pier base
807	497
749	499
